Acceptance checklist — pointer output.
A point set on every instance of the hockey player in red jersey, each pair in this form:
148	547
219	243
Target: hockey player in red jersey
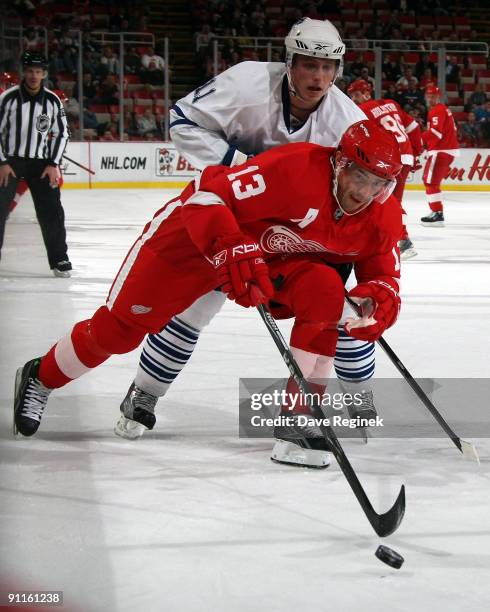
295	214
441	142
406	130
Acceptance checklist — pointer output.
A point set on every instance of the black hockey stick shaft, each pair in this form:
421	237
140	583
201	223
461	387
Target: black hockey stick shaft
383	524
461	445
78	164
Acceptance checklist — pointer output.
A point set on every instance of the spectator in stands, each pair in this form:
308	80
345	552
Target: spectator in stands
453	72
392	93
152	74
427	78
391	69
359	41
109	132
89	89
342	85
366	76
423	64
90	62
31	40
412	96
204	37
406	78
235	58
470	132
478	97
210	65
149	57
132	61
56	63
146	123
70	104
68	49
108	91
482	112
356	67
109	61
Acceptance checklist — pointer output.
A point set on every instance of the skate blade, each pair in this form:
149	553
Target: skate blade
18	378
292	454
408	254
128	429
433	223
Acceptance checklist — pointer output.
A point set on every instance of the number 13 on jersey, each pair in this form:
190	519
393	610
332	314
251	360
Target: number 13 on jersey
249	185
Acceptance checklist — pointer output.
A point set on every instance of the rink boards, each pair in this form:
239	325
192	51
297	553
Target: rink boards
158	164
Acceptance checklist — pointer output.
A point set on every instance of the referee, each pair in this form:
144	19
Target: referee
33	137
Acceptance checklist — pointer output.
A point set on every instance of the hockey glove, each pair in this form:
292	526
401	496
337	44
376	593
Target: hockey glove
242	271
380	304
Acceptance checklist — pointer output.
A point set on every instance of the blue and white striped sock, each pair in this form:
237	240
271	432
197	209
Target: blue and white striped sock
354	359
164	355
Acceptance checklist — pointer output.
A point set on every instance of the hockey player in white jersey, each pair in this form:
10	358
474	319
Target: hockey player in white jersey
245	110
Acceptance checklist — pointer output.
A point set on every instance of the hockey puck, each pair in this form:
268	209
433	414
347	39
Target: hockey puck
389	556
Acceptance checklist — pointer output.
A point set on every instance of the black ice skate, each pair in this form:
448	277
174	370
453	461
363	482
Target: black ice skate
62	269
137	413
407	249
299	442
435	219
31	397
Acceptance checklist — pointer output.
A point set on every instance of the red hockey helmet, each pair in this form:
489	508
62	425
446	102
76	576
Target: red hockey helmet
374	149
369	145
8	79
359	85
432	90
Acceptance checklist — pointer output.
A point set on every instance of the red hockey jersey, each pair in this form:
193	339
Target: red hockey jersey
393	118
284	199
441	132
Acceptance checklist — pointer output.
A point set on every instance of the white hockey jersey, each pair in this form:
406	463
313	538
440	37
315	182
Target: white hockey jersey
245	110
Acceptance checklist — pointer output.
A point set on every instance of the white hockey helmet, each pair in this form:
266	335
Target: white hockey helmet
316	38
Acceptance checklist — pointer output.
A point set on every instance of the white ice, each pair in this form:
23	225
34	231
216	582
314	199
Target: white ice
193	518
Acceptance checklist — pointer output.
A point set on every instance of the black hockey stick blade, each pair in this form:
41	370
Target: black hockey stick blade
383	524
466	448
387	523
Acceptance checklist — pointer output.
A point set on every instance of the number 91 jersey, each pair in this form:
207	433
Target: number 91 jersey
393	118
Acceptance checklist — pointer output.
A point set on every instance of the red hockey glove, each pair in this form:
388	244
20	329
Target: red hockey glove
380	305
242	271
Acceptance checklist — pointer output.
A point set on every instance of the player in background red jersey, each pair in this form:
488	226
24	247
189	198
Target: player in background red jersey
441	142
291	215
406	130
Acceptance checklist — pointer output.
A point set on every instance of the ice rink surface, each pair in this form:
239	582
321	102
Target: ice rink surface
193	518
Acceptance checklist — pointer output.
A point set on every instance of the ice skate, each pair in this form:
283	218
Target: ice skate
299	442
137	413
407	250
435	219
62	269
31	397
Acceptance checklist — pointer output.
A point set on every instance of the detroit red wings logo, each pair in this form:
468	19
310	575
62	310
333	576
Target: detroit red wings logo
280	239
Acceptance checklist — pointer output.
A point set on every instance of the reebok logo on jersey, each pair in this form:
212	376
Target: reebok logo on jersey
138	309
219	259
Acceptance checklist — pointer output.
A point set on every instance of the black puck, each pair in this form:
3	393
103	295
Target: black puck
389	556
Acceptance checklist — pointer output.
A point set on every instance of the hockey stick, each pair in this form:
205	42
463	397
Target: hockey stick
78	164
465	447
383	524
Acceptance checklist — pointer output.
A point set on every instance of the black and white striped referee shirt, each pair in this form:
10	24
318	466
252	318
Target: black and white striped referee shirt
32	127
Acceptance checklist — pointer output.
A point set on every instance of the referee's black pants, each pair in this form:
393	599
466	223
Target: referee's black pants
47	202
